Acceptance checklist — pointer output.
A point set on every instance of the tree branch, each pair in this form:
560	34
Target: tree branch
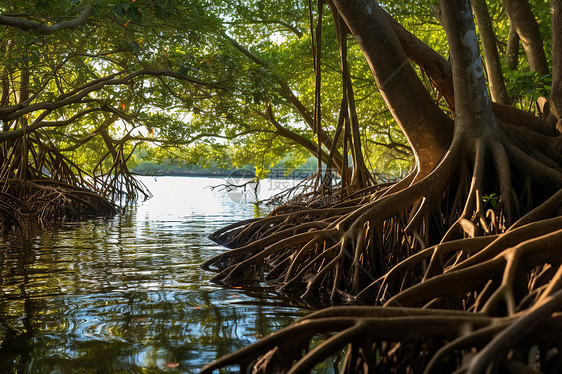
287	25
41	28
285	91
288	134
76	95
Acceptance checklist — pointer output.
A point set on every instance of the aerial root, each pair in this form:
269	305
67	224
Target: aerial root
242	233
249	267
335	251
477	249
12	211
460	272
500	345
329	347
437	255
236	256
449	338
510	264
506	323
352	326
47	202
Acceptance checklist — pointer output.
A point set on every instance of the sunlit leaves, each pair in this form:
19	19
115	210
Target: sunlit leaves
526	86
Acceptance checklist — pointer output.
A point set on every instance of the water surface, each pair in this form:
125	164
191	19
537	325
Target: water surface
126	294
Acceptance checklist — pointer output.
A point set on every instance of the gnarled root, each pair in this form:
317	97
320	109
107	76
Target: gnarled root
339	252
47	202
512	326
466	282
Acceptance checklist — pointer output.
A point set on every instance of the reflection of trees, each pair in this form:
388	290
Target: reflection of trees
14	346
84	298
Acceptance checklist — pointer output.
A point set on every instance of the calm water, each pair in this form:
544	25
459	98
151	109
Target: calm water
126	294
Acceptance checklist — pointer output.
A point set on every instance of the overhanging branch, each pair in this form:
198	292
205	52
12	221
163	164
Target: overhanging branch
41	28
77	94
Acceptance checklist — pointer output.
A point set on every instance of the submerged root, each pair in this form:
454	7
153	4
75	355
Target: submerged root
47	202
338	252
404	340
455	272
508	309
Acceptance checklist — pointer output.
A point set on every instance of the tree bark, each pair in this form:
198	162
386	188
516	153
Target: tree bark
473	111
556	88
522	18
512	51
492	58
427	128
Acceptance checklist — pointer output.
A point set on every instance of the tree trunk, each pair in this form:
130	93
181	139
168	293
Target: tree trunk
492	58
556	89
522	18
23	97
426	127
512	50
435	66
471	95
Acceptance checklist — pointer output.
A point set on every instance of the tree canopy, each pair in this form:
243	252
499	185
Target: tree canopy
172	74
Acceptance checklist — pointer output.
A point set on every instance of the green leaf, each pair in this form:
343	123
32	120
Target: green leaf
118	9
134	13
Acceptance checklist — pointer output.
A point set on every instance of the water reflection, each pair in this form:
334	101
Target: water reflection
126	294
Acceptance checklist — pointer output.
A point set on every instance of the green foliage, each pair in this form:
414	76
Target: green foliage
217	112
129	11
526	86
491	198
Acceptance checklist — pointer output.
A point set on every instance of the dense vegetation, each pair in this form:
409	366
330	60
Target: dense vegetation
457	261
86	83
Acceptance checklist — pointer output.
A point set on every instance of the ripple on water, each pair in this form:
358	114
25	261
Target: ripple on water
127	294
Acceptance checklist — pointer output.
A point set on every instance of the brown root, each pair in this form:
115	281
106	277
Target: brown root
47	202
44	186
463	254
511	325
338	252
432	246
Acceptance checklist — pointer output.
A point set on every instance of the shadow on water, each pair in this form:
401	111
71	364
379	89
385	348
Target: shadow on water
127	294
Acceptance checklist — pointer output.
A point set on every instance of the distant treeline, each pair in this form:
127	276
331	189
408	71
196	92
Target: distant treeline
174	169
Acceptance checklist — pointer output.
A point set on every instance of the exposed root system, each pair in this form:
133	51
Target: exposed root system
47	202
341	250
46	187
459	262
488	297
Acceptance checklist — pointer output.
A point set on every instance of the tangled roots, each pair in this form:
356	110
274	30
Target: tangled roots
47	202
492	303
412	340
336	252
464	263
